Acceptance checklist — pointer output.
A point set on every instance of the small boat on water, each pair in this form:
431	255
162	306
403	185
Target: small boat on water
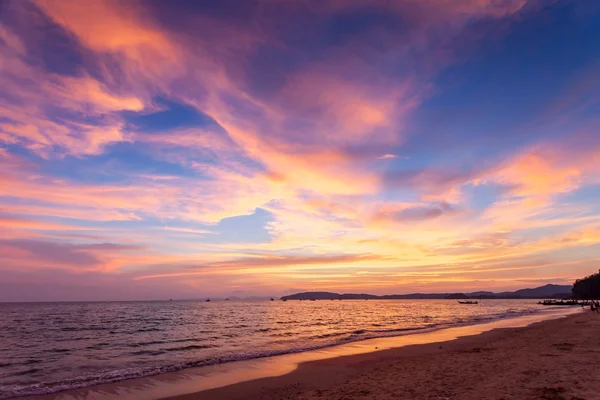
468	302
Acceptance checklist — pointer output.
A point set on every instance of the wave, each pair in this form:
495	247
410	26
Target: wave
191	347
328	335
283	334
77	329
153	342
59	350
170	349
18	390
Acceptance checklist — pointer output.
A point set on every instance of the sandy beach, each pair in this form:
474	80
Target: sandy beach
556	360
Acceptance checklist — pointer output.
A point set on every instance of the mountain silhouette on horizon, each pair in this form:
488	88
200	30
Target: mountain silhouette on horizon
546	291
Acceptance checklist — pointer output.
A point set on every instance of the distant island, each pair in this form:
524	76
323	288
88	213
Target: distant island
546	291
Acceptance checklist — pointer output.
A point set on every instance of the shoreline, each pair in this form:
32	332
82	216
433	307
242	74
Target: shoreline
555	359
203	381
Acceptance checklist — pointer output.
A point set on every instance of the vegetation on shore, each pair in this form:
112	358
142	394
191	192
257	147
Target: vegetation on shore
587	288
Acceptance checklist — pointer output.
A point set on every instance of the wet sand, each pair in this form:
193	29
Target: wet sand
555	360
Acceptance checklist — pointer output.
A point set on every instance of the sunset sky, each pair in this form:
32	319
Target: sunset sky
177	149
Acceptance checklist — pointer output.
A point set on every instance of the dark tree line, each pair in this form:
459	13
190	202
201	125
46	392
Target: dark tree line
587	288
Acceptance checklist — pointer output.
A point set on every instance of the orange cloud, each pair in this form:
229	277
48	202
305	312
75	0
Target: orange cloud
105	25
539	175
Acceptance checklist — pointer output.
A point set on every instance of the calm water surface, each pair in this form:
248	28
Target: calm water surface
48	347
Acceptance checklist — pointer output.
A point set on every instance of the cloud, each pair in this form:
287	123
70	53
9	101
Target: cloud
483	243
13	226
61	285
110	32
300	103
27	253
262	262
51	114
338	111
538	175
412	213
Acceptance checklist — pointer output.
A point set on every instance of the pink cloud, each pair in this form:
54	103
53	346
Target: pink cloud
548	169
31	95
343	110
32	254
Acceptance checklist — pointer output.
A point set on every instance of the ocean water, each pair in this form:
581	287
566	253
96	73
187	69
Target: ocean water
49	347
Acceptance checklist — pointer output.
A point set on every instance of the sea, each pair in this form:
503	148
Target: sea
51	347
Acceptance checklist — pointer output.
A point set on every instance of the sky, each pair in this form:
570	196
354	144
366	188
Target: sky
185	149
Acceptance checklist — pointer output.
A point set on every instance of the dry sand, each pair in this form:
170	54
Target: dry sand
551	360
